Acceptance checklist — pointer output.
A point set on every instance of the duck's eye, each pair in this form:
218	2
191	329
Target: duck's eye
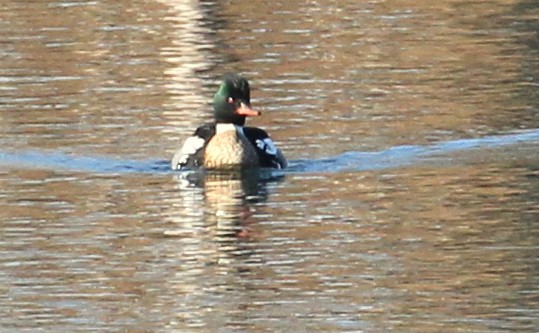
230	100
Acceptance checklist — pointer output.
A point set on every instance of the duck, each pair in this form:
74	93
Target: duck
227	144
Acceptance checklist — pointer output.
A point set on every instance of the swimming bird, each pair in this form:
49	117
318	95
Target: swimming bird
226	144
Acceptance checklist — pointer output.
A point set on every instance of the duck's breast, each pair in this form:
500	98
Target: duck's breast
230	149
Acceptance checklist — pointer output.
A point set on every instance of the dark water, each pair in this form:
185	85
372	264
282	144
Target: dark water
411	202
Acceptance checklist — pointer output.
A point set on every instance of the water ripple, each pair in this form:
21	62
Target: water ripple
394	157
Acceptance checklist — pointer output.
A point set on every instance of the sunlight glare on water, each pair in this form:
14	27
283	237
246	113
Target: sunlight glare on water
410	204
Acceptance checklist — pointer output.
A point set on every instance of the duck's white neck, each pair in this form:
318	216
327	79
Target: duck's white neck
220	128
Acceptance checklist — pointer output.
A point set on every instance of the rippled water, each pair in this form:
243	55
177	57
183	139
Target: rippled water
410	204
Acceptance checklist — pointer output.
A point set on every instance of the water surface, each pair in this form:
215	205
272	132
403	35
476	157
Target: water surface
410	204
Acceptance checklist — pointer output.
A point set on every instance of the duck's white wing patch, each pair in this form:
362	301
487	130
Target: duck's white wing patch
267	146
191	146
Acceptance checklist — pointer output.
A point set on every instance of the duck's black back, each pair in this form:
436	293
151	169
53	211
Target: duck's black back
257	136
196	160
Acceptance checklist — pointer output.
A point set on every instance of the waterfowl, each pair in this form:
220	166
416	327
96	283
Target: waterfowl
227	143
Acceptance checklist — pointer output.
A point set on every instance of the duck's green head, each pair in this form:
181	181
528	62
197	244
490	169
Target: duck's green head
232	102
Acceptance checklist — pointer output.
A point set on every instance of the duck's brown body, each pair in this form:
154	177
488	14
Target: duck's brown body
230	149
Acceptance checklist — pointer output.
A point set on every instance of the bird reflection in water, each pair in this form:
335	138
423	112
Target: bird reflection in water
225	199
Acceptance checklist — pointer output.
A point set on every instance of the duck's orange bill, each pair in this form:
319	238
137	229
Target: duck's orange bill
245	110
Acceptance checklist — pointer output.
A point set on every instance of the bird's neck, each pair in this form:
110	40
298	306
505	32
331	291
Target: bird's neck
225	127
